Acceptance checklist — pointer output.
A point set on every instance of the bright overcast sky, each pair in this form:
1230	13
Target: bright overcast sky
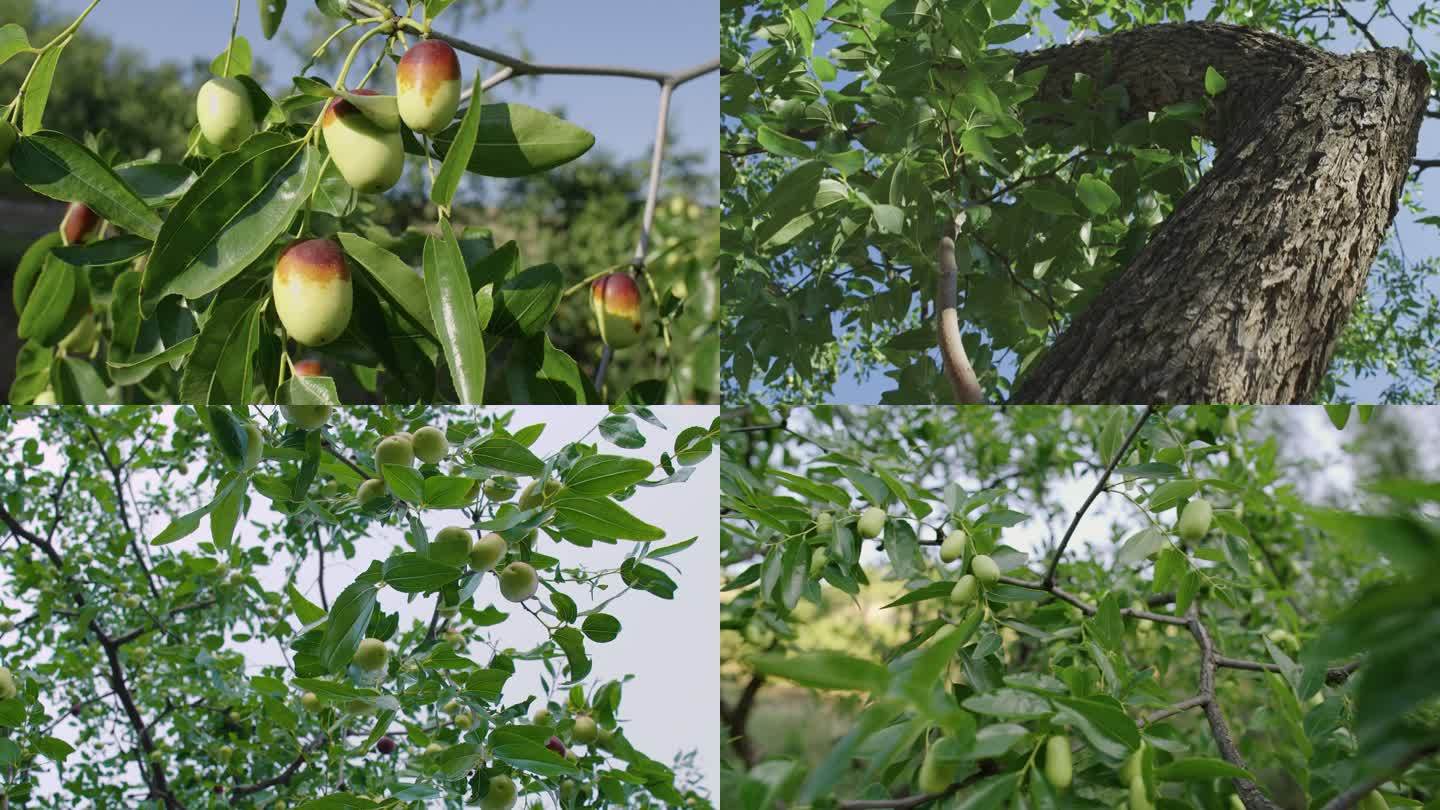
669	646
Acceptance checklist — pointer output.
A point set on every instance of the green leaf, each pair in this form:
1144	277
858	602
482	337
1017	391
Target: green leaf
185	525
452	303
825	670
507	455
395	281
457	158
156	183
527	301
76	382
974	142
59	167
115	250
515	141
220	370
412	572
1339	415
1096	194
240	60
37	91
1200	768
13	40
349	617
1214	83
601	517
55	305
603	475
1003	9
601	627
271	12
235	210
778	143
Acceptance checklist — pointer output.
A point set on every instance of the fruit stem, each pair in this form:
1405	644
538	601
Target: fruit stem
73	27
230	48
355	51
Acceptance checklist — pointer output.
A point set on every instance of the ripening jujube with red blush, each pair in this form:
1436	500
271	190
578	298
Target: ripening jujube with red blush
309	368
427	86
615	299
369	157
78	224
313	292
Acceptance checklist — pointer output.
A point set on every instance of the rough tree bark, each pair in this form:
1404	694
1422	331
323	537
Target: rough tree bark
1241	293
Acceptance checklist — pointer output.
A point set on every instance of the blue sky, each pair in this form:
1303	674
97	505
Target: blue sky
1418	241
621	112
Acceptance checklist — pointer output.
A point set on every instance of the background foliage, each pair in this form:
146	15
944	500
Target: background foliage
1315	559
854	130
139	556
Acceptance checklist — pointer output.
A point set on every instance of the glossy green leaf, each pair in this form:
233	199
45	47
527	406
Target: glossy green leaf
115	250
457	157
271	13
37	91
515	141
156	183
13	40
527	301
602	517
412	572
220	370
504	454
349	617
452	303
241	204
604	475
1096	194
395	281
59	167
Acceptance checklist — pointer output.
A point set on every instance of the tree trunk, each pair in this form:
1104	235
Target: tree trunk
1241	293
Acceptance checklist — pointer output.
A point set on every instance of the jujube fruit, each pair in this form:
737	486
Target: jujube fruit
464	721
306	417
871	522
819	558
531	497
615	299
499	488
313	293
254	445
1194	520
518	581
310	701
369	157
555	744
585	729
370	491
1236	803
78	223
985	569
385	745
430	445
934	776
953	547
371	655
226	116
541	717
487	551
451	546
309	367
1058	768
824	522
965	589
1139	800
501	795
7	684
395	449
427	86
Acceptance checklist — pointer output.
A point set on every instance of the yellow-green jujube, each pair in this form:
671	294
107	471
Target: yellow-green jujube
953	547
586	731
1132	765
310	701
934	776
985	569
306	417
1194	520
1236	803
369	156
501	795
824	522
370	490
819	558
1058	767
396	449
451	546
225	113
372	654
430	444
518	581
533	495
313	294
7	684
871	523
964	591
487	551
254	445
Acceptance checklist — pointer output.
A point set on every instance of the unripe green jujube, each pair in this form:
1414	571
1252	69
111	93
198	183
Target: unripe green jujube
310	701
225	113
1194	520
370	490
531	496
306	417
395	449
518	581
451	546
1139	799
953	547
965	589
7	684
819	558
372	654
502	794
430	444
985	569
254	445
871	523
487	551
1373	801
586	731
824	522
1058	767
